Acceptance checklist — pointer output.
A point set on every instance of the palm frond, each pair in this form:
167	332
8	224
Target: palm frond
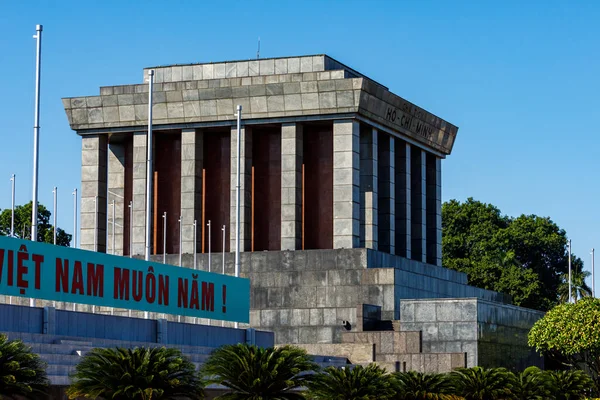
350	383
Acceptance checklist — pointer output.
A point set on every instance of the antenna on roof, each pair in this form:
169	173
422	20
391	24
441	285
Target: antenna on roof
258	51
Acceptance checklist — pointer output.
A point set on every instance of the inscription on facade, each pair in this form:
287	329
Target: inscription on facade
409	122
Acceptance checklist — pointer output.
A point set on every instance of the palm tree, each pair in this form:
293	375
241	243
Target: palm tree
570	385
479	383
532	384
579	288
22	373
417	385
257	373
140	374
356	383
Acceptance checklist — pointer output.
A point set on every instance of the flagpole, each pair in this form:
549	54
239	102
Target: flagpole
165	237
74	218
149	166
180	231
36	134
12	213
570	294
130	228
223	229
95	223
195	247
593	278
237	195
54	191
113	229
209	240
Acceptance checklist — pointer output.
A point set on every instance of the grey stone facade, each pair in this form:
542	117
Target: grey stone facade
384	180
378	202
291	182
191	187
491	334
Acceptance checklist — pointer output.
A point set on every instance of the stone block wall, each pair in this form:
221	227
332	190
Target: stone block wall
492	334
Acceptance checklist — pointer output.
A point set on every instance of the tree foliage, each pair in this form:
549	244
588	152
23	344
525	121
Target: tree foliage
525	257
22	373
479	383
23	225
255	373
571	332
140	374
354	383
532	384
413	385
570	385
579	289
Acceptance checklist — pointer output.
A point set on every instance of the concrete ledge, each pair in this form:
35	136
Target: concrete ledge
356	353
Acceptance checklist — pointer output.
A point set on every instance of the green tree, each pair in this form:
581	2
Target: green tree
352	383
23	225
479	383
413	385
22	373
525	257
579	289
257	373
570	333
140	374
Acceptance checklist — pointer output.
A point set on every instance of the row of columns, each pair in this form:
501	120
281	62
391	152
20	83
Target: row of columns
386	192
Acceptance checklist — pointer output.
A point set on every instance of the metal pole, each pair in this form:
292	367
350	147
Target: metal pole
593	278
113	229
149	166
165	237
570	294
12	217
36	133
223	229
96	223
237	194
12	213
55	192
131	229
180	233
195	233
74	218
209	240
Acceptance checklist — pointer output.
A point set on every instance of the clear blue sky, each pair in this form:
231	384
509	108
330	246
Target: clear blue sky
519	78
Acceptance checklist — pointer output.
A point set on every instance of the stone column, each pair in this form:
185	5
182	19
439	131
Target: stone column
418	204
139	193
291	186
116	193
346	184
191	188
387	194
403	200
245	188
368	188
93	183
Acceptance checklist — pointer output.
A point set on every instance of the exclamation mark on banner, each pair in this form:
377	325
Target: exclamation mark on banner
224	299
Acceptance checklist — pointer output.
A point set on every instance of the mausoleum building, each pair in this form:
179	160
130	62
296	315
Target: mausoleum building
340	203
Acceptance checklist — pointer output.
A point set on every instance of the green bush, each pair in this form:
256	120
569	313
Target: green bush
22	373
140	374
417	385
251	372
354	383
479	383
